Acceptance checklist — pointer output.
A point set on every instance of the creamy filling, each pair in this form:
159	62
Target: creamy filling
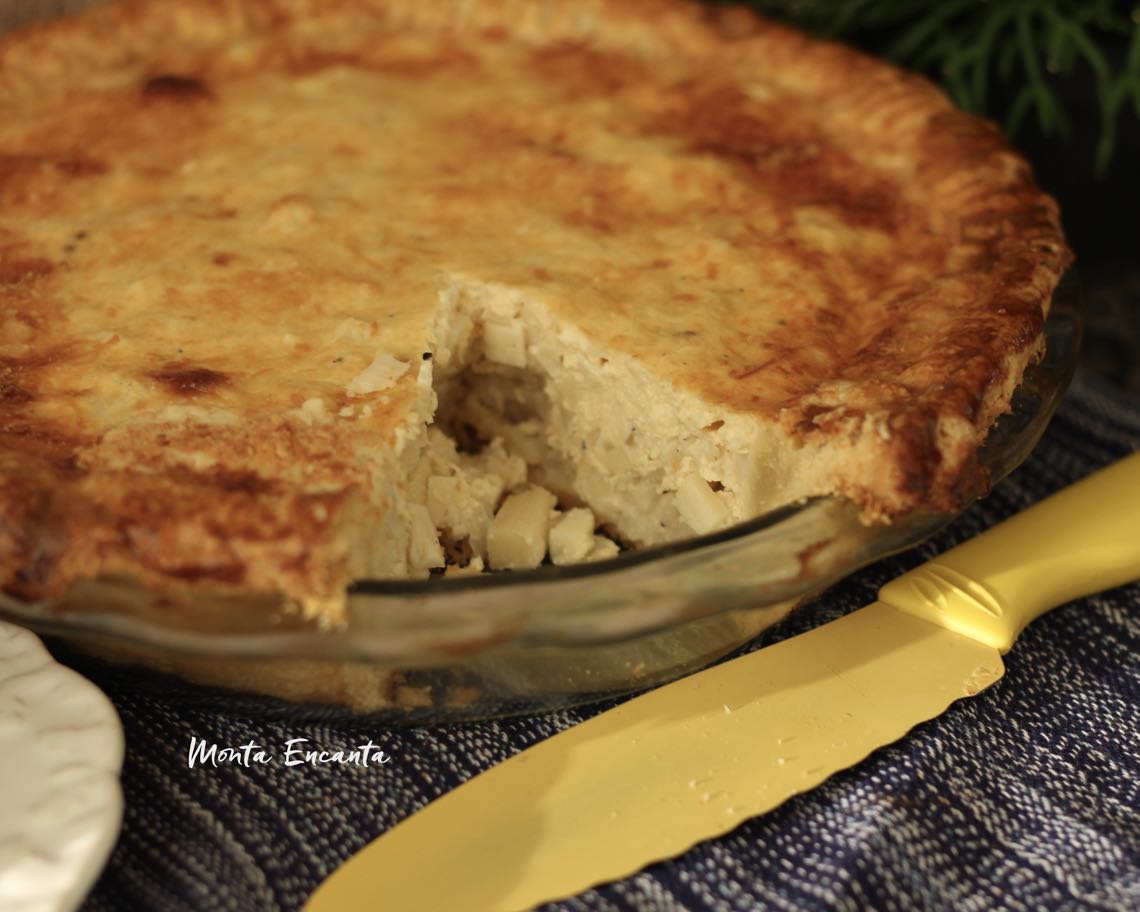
537	446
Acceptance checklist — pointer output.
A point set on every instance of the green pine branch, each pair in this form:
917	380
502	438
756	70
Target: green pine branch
969	45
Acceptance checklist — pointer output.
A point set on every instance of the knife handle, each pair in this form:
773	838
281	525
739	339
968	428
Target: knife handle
1079	541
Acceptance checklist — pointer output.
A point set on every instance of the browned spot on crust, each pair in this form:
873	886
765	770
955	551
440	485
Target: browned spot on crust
12	390
190	381
16	170
174	87
81	167
733	23
312	60
921	458
779	152
17	272
221	258
11	393
743	373
39	179
13	167
222	573
39	441
238	481
585	70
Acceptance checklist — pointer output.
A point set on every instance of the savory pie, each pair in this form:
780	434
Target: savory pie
299	292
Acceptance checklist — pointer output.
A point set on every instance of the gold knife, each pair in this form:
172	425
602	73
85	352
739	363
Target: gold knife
694	759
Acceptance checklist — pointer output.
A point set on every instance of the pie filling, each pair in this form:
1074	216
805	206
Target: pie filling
535	445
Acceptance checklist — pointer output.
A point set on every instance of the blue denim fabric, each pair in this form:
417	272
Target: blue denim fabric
1025	797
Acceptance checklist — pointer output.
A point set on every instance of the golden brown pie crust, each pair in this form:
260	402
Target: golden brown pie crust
195	197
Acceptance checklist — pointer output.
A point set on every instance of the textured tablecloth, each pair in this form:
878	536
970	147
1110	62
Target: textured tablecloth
1025	797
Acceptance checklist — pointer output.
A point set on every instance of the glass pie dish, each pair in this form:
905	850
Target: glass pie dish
446	649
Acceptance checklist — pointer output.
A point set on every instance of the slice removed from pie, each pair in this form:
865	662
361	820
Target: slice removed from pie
296	293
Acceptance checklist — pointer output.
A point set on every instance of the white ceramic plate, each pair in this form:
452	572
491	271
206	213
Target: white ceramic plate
61	750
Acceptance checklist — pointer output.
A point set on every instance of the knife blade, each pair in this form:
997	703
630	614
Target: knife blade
694	759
